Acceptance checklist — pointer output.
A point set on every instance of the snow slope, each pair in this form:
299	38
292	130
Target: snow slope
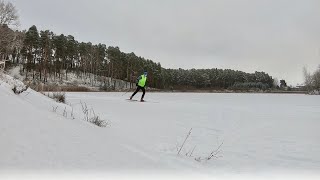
263	135
91	81
43	139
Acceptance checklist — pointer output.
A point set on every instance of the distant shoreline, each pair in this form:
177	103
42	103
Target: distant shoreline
90	89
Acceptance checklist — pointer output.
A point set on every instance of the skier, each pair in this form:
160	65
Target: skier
141	83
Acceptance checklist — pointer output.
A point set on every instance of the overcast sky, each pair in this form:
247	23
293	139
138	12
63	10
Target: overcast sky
279	37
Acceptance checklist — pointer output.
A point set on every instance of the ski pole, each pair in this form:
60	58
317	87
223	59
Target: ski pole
126	92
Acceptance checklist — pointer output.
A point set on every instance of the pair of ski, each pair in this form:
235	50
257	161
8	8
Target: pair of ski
134	100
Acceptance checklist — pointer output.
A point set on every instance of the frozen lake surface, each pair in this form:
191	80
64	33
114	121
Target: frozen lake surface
259	132
247	134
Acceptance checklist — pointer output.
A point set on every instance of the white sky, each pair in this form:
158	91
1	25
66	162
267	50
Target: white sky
279	37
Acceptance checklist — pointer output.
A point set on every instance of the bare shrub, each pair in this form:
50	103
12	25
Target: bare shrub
184	141
59	97
85	111
97	121
214	154
14	89
17	91
94	119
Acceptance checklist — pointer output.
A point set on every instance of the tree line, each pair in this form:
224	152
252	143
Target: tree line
312	80
47	54
44	54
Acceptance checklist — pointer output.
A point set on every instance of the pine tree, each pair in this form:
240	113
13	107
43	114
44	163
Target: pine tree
31	45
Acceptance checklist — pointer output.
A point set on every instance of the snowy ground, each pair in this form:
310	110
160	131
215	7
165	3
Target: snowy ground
262	134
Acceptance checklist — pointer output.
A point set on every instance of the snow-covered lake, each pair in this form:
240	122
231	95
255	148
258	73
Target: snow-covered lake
248	134
260	132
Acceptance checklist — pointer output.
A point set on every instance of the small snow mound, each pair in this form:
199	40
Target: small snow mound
12	82
15	73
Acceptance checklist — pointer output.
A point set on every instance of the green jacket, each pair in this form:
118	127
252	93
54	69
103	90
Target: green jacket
142	80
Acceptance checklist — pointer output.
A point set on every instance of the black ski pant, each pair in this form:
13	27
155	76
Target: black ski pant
137	90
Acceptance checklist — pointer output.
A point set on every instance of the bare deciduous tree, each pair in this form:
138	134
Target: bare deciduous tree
6	41
8	14
307	79
316	79
312	81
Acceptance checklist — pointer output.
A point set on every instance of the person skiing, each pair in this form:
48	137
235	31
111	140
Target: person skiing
141	83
